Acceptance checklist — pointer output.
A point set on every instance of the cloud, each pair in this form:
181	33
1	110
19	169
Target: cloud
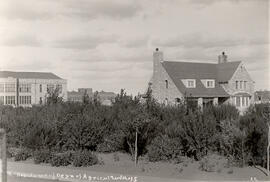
135	42
22	40
207	41
208	2
84	42
29	65
101	8
25	10
47	9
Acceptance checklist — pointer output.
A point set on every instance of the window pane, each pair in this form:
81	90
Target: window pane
2	87
10	87
236	84
238	101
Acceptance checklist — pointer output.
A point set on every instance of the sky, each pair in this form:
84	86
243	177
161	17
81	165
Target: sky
108	44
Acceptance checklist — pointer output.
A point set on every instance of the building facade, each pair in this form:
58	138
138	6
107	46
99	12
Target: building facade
202	83
29	88
262	97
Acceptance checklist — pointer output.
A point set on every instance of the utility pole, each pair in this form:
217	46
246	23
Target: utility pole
268	146
136	146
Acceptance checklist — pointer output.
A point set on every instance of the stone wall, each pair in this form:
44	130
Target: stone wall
159	90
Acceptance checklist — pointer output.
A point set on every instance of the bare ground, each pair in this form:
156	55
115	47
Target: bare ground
144	171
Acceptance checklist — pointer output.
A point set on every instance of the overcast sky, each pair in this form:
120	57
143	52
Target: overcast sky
108	44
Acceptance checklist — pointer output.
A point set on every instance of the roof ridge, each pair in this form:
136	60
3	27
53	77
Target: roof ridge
188	62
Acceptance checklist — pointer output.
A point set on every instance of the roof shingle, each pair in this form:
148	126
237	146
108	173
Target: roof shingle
28	75
186	70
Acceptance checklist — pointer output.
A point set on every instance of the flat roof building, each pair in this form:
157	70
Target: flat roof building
29	88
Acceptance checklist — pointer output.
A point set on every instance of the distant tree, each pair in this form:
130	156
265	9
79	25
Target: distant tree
86	98
53	96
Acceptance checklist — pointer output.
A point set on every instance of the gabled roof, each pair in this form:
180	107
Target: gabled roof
28	75
187	70
225	71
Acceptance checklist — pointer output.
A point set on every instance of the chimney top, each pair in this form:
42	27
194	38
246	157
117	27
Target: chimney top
222	58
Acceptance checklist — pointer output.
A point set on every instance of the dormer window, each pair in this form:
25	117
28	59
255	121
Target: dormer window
210	83
191	83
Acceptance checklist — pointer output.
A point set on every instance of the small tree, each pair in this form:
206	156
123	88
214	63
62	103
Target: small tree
53	96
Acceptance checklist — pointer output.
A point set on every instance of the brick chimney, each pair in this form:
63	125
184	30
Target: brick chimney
157	59
222	58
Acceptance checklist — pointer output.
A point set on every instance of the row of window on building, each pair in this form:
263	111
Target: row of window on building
11	100
191	83
240	84
26	88
242	101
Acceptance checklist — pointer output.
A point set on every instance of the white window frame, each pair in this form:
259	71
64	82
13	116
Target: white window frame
191	80
213	83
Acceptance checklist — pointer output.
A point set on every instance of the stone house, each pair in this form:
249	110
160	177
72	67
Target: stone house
202	83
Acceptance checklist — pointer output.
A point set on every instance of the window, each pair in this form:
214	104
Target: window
191	84
245	84
25	88
2	87
25	99
241	84
40	88
236	84
238	101
40	100
243	101
10	100
10	87
247	101
1	100
210	83
166	82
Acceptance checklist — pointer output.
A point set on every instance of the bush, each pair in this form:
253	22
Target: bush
43	156
22	155
112	143
163	148
213	163
84	158
197	133
62	159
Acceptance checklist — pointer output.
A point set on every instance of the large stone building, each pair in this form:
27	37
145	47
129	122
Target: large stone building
203	83
29	88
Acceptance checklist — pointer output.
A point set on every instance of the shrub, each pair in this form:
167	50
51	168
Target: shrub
213	163
163	148
62	159
22	155
43	156
197	133
112	143
84	158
